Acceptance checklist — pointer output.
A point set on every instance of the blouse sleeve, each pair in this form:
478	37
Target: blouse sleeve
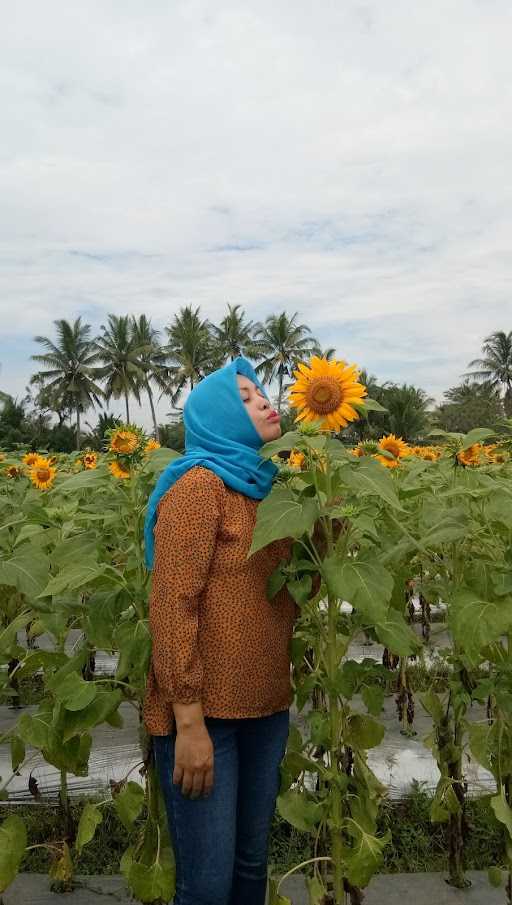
185	535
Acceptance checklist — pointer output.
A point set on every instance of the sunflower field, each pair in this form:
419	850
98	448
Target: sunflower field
373	527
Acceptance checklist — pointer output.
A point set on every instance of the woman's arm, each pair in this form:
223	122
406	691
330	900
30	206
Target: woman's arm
185	536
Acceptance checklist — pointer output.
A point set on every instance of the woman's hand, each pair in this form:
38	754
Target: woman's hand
193	752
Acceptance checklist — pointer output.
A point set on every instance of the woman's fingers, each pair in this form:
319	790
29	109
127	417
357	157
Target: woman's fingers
208	782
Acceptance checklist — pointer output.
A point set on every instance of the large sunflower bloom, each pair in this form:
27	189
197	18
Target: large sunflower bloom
42	474
124	442
325	391
118	470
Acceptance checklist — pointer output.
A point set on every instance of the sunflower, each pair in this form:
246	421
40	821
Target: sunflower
118	470
430	454
325	391
470	456
358	451
14	471
494	455
296	459
151	445
31	458
124	442
42	474
396	446
90	460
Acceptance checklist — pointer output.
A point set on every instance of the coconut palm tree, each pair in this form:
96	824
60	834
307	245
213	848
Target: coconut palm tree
71	370
496	365
282	343
374	423
154	358
233	336
191	351
408	415
97	434
123	368
468	406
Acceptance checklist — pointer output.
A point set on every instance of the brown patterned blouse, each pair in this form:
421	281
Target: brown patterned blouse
216	638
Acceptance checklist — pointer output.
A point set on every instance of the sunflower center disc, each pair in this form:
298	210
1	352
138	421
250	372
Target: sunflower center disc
324	395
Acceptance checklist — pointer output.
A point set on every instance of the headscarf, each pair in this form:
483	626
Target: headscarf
220	435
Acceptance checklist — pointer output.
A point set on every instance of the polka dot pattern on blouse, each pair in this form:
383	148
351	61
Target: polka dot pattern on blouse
216	638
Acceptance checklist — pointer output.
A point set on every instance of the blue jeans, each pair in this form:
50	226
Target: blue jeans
221	842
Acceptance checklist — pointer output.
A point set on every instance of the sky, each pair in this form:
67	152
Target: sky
348	161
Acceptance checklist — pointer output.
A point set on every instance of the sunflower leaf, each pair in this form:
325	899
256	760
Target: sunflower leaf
369	478
280	515
283	444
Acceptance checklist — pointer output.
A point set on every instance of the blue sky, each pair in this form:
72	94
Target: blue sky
348	161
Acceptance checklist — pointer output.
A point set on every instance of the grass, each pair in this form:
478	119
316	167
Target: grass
416	844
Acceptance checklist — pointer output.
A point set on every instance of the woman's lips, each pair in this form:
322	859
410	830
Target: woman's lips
274	416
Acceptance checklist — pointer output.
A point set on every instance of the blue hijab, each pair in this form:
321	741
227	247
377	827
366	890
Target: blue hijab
220	435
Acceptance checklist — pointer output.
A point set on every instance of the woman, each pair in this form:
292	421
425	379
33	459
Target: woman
218	692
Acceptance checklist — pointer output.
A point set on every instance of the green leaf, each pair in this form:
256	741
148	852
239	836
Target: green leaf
367	586
495	876
155	881
502	810
300	589
90	819
84	480
17	751
9	633
369	478
159	458
34	729
365	858
370	405
395	634
76	548
287	442
475	623
280	515
27	571
316	890
432	704
373	697
72	577
275	582
36	534
363	732
78	721
296	809
128	803
477	435
13	842
274	898
75	693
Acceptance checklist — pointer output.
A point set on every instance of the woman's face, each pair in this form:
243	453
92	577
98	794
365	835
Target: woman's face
265	419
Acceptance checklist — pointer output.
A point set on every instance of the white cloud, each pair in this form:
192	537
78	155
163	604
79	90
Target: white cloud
349	161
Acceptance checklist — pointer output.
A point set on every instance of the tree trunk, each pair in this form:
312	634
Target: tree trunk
507	402
152	407
127	407
78	429
280	392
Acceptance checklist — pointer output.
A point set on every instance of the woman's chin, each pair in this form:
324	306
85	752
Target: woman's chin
274	431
